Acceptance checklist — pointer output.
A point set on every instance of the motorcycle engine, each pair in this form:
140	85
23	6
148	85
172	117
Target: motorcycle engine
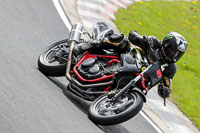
89	69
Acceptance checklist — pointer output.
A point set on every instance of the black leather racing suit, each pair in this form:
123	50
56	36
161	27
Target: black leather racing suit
147	42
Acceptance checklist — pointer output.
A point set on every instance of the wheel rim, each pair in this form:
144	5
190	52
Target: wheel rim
105	108
57	55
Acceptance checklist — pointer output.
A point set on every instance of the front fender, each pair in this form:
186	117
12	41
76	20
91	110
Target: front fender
140	92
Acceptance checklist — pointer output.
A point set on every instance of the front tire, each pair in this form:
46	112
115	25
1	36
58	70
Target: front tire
103	112
49	61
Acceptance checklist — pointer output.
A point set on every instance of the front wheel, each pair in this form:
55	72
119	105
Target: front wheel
104	111
53	60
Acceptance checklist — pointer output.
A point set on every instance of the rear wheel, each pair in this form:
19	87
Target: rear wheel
53	60
104	111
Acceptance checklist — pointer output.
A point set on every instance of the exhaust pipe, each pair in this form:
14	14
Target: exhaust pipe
74	38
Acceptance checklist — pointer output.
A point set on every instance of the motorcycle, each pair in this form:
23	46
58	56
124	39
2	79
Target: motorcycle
116	83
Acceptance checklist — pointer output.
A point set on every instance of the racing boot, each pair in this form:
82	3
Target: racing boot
118	42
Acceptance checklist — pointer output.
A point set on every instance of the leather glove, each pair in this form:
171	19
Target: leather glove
164	91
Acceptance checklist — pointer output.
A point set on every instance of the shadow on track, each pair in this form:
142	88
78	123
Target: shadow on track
84	105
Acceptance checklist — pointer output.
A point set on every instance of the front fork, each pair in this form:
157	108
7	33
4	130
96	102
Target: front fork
131	85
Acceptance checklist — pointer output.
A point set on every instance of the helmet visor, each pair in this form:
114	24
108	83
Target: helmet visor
171	52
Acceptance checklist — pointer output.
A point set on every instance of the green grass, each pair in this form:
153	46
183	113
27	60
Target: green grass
158	18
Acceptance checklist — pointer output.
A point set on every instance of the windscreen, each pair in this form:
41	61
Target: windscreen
100	30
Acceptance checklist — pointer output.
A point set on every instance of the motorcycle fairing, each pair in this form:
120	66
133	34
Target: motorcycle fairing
100	30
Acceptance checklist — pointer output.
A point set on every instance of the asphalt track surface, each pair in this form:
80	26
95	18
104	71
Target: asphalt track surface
30	102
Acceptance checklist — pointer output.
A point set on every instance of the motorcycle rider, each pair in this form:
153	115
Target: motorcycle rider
168	51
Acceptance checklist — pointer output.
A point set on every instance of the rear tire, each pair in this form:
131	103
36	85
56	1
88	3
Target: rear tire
56	68
95	110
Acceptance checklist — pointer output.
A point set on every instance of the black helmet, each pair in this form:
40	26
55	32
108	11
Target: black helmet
173	46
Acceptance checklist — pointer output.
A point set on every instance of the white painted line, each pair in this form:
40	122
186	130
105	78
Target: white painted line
105	2
151	122
91	14
129	2
68	25
62	14
118	3
126	2
98	7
